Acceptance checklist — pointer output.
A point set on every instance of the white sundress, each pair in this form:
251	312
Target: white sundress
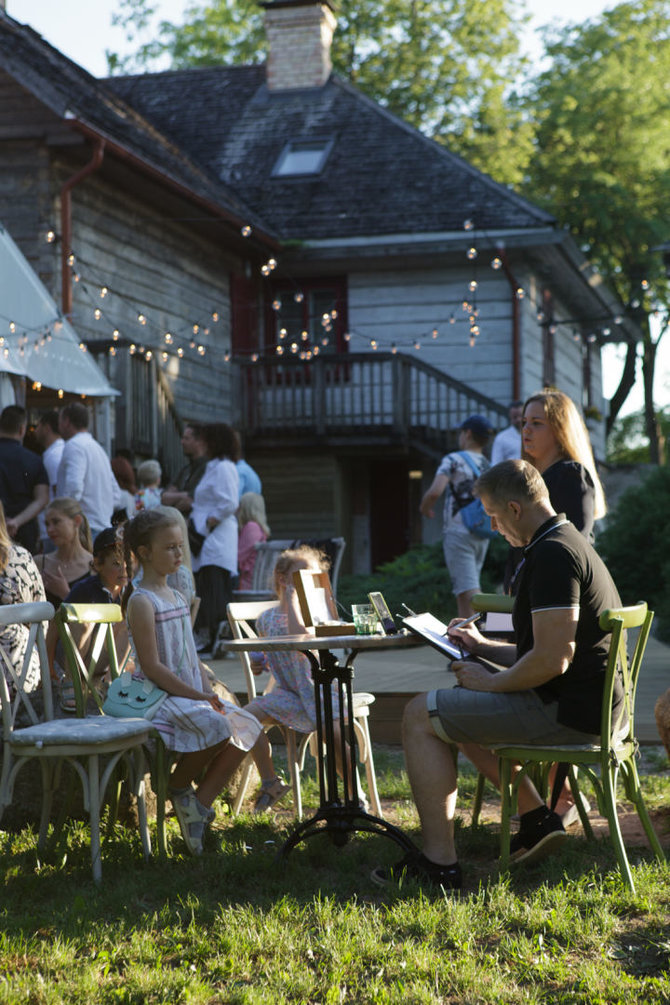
187	725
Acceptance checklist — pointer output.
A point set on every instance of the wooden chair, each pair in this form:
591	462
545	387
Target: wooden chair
240	615
79	741
600	762
100	619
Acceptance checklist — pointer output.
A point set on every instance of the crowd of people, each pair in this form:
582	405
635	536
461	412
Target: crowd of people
110	533
79	527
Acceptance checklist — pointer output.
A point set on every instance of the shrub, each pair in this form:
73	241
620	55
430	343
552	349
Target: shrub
420	579
636	548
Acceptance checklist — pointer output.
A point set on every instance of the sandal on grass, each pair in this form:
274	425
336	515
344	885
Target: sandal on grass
193	817
271	792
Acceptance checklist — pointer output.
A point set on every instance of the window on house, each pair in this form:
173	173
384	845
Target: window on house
302	157
307	314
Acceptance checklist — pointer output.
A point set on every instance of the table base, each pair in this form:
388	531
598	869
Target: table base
338	822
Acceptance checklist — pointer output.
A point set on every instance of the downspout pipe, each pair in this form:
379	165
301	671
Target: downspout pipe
516	326
66	222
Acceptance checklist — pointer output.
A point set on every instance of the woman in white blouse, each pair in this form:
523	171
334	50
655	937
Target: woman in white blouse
215	502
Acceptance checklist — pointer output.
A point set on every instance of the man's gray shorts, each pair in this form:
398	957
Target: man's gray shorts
462	716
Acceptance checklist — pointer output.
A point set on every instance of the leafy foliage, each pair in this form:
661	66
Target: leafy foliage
636	546
420	579
601	162
628	442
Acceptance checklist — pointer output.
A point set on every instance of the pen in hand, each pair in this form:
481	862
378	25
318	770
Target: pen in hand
468	621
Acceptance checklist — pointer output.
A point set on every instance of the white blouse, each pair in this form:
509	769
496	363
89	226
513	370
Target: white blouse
217	495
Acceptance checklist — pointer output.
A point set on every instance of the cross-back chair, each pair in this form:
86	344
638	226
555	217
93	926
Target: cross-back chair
99	621
241	616
81	742
601	762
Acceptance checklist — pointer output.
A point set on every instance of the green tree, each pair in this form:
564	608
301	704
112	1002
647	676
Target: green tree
442	65
602	163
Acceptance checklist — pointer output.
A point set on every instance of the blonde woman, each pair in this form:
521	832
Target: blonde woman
69	531
253	529
555	440
20	583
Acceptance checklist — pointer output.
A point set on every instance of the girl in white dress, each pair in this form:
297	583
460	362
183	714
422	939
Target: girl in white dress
211	735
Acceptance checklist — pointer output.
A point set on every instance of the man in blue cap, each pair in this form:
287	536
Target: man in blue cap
464	551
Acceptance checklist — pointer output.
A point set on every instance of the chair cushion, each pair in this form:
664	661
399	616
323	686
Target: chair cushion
89	731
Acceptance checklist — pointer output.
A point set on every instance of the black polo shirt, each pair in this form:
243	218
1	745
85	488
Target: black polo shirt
20	471
562	570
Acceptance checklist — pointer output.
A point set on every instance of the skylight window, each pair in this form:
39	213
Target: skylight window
302	157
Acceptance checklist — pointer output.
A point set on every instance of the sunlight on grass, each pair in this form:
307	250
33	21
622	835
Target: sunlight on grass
237	926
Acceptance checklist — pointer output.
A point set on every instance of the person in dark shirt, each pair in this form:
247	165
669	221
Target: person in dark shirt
24	483
549	692
103	586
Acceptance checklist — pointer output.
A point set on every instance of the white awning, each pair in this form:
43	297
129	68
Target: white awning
34	341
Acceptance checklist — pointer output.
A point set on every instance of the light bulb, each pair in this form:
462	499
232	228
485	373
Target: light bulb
471	254
246	230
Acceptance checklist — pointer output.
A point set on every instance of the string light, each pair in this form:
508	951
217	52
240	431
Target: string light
298	297
496	263
471	254
468	225
97	314
70	259
215	316
103	292
50	236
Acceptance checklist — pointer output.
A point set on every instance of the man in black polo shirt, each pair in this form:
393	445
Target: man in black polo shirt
550	691
24	483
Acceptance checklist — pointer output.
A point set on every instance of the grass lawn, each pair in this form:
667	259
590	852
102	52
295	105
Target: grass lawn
237	926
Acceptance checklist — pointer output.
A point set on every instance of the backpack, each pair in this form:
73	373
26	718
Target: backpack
472	514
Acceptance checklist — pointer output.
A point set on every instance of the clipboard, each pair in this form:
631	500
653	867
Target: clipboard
433	631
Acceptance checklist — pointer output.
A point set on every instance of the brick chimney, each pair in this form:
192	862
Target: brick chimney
299	34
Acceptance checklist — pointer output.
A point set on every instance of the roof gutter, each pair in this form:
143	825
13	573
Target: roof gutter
124	154
66	223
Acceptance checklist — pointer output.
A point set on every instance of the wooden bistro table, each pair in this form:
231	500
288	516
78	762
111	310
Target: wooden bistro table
339	813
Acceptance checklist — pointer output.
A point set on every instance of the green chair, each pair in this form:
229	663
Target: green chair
601	762
98	621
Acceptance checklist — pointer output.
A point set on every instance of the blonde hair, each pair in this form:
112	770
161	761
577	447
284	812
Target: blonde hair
572	437
252	507
71	508
290	557
149	473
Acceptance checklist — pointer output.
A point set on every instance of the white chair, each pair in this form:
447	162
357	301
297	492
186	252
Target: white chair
240	615
81	742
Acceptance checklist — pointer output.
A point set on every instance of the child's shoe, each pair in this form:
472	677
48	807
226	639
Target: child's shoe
193	817
271	792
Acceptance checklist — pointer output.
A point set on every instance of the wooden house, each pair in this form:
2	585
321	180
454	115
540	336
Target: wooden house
384	290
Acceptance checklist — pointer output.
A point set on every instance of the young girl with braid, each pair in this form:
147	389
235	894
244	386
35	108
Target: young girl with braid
210	735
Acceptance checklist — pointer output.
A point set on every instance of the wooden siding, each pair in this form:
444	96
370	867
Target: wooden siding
400	306
301	490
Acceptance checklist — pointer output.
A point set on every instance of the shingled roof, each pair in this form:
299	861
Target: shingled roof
71	93
381	176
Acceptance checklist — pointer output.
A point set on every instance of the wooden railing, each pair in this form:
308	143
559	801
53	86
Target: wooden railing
371	397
